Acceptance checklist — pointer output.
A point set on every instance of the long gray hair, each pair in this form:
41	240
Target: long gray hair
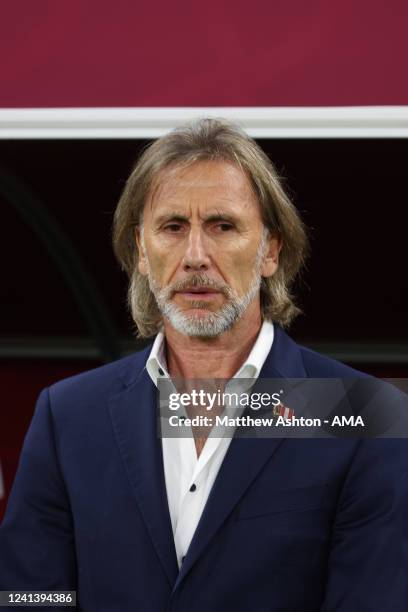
217	140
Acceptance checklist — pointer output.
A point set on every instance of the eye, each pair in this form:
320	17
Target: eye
224	227
173	228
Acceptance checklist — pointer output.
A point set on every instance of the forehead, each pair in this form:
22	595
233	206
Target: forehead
204	184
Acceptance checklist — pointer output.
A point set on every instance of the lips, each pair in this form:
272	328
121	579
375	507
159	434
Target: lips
198	290
199	293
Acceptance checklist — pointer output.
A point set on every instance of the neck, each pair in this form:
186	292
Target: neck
218	357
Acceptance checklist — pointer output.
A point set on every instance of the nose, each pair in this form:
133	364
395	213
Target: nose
196	257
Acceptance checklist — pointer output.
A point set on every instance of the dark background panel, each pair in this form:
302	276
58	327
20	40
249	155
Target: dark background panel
351	195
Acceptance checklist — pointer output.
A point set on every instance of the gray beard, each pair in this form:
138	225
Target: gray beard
212	323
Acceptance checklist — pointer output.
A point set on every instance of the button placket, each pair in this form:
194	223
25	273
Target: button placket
190	510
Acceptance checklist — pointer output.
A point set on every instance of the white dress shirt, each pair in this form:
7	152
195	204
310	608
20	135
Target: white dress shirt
189	479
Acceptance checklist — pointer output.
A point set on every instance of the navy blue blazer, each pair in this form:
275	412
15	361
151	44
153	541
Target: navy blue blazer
291	525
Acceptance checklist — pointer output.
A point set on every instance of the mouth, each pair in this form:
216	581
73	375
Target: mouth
199	293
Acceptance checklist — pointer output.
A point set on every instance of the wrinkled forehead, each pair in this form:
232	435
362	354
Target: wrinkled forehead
203	184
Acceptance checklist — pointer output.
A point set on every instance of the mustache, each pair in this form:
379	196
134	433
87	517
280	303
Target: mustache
199	281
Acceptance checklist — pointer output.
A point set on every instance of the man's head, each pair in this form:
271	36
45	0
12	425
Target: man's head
206	233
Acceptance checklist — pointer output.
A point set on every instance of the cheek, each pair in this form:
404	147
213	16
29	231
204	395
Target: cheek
239	267
162	262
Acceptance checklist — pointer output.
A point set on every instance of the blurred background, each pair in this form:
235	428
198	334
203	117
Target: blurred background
62	294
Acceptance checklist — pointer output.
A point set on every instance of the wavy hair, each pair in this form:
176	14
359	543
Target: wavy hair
216	140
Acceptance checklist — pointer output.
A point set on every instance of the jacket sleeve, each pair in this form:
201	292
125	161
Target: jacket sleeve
37	549
368	562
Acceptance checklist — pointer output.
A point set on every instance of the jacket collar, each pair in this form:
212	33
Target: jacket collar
284	360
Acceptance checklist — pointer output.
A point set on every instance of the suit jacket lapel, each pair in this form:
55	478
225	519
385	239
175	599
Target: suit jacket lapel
245	457
133	415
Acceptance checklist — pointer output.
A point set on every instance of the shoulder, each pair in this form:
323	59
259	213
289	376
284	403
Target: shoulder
321	366
293	360
382	404
94	385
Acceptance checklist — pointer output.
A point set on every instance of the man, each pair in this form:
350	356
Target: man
132	522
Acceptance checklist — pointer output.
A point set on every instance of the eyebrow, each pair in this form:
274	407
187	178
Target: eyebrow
219	216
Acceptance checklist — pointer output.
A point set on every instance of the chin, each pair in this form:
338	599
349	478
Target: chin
209	325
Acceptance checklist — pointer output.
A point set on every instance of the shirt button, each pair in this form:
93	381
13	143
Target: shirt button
161	372
193	488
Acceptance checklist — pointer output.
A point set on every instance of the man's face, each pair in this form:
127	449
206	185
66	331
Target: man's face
204	248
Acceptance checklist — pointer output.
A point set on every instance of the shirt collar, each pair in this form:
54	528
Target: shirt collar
156	364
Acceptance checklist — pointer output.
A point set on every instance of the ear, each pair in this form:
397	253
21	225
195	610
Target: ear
142	262
271	258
